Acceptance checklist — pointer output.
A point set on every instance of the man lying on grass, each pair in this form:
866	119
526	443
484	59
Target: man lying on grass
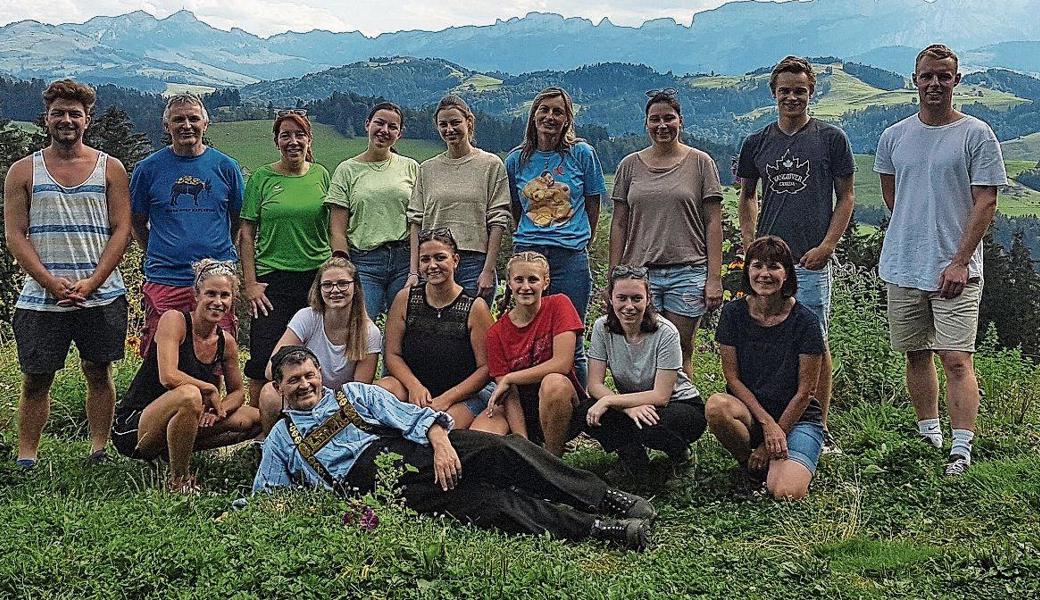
331	439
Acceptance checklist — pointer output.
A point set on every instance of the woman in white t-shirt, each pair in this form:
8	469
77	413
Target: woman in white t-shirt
336	328
656	405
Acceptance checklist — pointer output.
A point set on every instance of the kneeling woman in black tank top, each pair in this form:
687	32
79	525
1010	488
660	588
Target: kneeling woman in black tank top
435	334
173	404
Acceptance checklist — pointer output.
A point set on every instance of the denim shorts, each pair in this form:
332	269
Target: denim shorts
804	443
479	401
679	289
814	291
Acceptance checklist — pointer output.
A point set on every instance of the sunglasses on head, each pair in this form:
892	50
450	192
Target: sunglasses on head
442	233
284	112
629	271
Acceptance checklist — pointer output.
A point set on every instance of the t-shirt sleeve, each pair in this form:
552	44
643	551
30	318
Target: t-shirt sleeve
986	162
843	163
726	331
592	173
810	340
622	179
598	346
339	188
883	158
414	212
711	185
236	188
374	343
251	200
564	315
746	168
669	352
140	185
498	363
303	322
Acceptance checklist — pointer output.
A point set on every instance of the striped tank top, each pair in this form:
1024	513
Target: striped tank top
68	228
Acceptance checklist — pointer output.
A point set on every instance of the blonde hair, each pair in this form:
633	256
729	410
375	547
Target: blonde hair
528	257
357	326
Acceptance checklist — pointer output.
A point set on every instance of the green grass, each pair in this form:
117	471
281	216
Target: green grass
180	88
1025	148
880	521
251	143
480	82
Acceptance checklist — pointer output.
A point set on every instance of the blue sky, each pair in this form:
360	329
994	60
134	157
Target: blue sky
267	17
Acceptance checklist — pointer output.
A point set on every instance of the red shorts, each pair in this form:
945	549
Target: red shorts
157	298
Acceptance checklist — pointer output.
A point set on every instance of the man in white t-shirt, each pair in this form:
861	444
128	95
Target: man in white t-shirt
939	170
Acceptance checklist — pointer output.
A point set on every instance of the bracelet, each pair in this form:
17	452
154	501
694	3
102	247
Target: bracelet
412	273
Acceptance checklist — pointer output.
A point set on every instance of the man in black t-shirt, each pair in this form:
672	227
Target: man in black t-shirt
803	164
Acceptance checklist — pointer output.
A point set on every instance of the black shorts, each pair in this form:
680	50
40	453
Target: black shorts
124	432
287	292
43	338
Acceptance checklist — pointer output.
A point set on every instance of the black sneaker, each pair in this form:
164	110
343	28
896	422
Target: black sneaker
830	444
99	457
625	505
957	465
632	534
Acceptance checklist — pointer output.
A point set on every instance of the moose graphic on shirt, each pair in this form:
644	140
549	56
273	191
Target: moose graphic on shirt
190	186
788	175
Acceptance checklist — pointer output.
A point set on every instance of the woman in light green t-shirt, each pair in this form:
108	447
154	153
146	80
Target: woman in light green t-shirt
284	239
367	199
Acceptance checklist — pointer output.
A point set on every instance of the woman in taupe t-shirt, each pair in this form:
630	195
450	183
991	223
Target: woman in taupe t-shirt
668	218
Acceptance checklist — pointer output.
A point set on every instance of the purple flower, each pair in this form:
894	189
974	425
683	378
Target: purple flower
369	519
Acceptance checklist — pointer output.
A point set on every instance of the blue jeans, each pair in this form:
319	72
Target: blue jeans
569	274
382	271
814	291
471	264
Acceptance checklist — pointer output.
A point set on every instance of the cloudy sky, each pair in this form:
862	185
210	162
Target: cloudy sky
267	17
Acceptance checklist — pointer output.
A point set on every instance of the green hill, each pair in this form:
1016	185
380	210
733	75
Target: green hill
251	143
1025	148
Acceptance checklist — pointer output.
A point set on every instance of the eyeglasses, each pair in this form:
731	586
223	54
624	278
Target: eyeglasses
662	92
342	284
437	233
629	271
285	112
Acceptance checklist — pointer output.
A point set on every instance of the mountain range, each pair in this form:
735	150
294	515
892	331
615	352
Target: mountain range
139	50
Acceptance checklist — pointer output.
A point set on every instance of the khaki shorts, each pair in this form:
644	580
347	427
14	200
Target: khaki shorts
921	320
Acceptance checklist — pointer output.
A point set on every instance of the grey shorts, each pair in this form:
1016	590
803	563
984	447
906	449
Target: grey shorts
43	338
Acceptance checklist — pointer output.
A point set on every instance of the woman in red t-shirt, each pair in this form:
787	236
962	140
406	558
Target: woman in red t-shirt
531	356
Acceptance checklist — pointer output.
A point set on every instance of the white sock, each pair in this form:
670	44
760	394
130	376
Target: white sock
930	431
962	443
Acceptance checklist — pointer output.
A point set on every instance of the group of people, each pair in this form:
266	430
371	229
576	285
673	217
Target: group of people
322	258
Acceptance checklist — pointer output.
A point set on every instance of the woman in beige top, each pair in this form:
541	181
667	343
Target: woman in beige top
464	190
668	218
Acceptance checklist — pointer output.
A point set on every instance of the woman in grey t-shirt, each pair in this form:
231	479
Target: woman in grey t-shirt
656	405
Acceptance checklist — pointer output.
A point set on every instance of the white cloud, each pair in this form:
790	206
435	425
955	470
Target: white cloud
267	17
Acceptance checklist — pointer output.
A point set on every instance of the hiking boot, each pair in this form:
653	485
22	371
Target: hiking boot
98	457
631	534
957	465
830	444
625	505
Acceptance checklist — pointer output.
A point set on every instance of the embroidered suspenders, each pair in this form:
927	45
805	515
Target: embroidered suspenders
321	435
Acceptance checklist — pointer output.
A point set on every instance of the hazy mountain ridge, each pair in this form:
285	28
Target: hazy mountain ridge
146	52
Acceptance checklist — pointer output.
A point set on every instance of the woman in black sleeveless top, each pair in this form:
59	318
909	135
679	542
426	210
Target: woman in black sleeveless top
173	404
435	334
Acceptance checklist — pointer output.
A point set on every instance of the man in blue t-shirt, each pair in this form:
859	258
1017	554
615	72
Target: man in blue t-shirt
806	168
185	201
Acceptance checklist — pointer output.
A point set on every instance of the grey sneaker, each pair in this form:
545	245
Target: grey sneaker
830	444
957	465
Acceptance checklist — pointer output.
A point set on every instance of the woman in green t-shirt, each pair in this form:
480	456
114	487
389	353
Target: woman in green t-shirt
284	239
367	199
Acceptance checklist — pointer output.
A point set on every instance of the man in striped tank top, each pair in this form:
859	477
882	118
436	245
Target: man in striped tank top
67	221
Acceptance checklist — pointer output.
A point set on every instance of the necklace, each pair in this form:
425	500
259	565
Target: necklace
383	164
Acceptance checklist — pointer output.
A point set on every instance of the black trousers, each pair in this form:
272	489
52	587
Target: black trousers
507	483
680	424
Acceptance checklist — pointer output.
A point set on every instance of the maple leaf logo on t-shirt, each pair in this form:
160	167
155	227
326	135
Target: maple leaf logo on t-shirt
788	175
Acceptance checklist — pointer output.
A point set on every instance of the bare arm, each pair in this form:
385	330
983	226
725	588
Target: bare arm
413	254
816	258
955	276
16	230
618	231
255	291
480	321
562	362
659	395
118	200
748	210
339	220
236	395
139	224
168	337
592	210
738	389
888	191
808	373
713	229
486	281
